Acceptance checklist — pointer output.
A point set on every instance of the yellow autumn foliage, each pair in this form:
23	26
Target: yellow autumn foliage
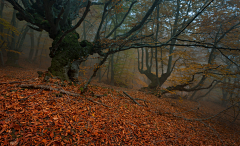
7	26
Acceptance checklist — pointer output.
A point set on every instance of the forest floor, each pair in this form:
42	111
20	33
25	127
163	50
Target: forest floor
33	112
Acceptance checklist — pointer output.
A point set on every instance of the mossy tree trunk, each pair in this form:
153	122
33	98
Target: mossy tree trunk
70	54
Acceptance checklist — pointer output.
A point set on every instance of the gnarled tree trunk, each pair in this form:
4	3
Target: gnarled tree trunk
70	54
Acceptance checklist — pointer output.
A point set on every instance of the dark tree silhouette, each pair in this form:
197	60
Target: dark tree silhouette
56	16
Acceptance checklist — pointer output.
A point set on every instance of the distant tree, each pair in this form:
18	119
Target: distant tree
3	43
210	34
13	40
38	47
30	55
221	30
12	53
172	21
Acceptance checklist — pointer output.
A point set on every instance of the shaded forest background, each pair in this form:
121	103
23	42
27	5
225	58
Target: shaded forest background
199	67
128	68
35	49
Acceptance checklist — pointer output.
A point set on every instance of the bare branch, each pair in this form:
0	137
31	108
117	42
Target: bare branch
228	58
139	25
122	20
104	15
73	28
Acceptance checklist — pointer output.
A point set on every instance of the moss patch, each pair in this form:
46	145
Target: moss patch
68	51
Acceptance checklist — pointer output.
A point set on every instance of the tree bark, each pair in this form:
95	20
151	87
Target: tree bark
70	54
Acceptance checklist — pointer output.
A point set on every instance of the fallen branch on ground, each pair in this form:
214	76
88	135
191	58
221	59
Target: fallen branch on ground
60	90
134	99
13	82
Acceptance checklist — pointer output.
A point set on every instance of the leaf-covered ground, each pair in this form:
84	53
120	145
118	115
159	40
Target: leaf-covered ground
53	113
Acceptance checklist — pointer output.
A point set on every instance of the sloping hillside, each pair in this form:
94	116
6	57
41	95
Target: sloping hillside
33	112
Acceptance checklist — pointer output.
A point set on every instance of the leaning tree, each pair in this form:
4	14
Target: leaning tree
67	53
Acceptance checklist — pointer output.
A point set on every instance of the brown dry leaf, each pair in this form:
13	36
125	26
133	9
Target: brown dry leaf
44	141
51	134
14	142
55	117
83	122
